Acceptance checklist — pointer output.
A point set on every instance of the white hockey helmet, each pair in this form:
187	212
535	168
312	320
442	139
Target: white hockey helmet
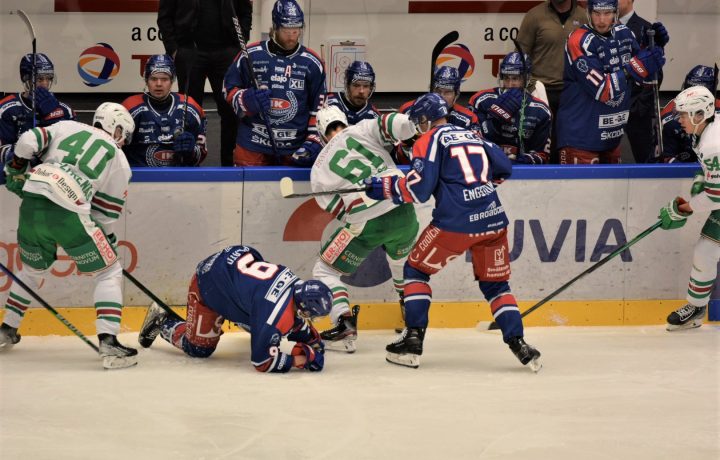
327	116
109	116
696	100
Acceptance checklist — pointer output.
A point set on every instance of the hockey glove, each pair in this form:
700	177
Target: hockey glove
307	153
381	188
507	104
254	101
112	239
45	101
15	172
662	37
316	342
184	148
314	362
528	159
698	185
645	63
671	216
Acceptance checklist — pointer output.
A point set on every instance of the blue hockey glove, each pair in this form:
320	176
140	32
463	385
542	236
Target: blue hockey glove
314	362
662	37
645	63
255	101
671	216
184	148
528	159
307	153
380	188
507	104
15	172
698	185
45	101
316	342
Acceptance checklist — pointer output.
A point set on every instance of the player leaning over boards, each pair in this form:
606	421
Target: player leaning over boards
458	168
267	300
353	154
696	109
72	199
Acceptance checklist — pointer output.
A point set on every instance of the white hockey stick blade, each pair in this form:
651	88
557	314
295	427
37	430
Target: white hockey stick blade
26	20
286	187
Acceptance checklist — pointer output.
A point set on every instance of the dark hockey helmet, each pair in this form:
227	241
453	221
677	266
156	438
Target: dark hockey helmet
447	77
514	64
159	63
287	13
43	64
430	107
359	71
313	298
700	75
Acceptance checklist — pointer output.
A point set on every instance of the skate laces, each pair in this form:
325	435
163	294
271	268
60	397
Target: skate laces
402	336
686	311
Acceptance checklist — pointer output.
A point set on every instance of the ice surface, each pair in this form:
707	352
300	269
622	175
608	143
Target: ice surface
603	393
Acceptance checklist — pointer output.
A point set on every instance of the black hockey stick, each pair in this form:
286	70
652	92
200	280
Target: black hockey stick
656	103
715	84
599	264
189	62
33	79
526	77
55	313
449	38
150	294
244	52
287	189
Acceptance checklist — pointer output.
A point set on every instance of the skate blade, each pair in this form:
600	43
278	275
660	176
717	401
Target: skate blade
346	345
535	365
682	327
6	347
406	359
119	362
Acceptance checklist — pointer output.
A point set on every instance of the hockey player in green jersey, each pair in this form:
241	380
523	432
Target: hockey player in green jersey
696	108
352	154
72	199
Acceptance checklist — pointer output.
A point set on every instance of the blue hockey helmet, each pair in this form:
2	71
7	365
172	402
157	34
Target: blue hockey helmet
287	13
359	71
159	63
514	64
602	5
428	107
313	298
43	65
447	77
700	75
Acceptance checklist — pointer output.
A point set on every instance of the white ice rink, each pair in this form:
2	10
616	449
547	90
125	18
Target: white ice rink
604	393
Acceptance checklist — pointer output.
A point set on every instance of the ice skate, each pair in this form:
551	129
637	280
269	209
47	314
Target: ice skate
527	354
686	317
151	326
114	354
342	337
406	350
8	337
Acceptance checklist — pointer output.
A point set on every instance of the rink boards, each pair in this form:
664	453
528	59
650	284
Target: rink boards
563	220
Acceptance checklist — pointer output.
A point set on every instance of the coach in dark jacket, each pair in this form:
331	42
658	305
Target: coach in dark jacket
200	36
639	128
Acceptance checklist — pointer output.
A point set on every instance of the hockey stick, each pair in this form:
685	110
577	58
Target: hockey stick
244	52
29	25
656	102
439	47
523	104
287	190
190	63
55	313
150	294
599	264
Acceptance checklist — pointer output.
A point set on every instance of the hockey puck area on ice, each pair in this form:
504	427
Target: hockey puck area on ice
483	326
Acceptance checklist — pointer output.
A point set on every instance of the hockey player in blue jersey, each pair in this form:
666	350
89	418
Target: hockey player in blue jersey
169	129
359	88
446	83
16	114
511	117
267	300
602	60
677	144
291	81
459	169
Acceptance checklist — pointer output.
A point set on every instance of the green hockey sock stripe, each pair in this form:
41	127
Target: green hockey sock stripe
112	199
20	299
